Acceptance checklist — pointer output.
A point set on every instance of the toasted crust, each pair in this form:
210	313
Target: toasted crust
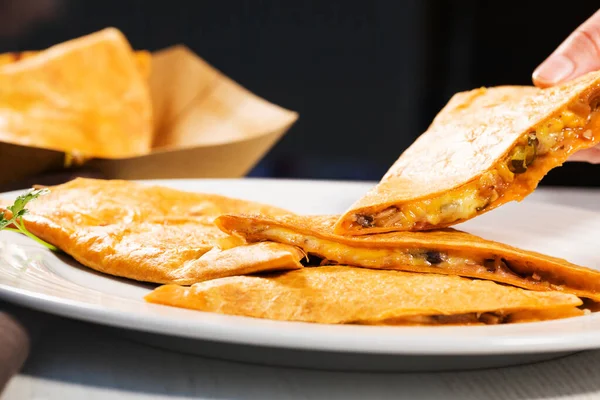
310	232
469	137
143	59
150	233
85	96
342	295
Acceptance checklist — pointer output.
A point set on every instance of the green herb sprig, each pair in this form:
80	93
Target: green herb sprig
18	210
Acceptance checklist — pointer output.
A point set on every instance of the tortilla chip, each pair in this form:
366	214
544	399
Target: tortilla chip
85	96
447	251
151	233
485	148
346	295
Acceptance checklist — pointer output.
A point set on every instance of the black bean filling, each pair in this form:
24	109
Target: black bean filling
490	265
434	257
486	318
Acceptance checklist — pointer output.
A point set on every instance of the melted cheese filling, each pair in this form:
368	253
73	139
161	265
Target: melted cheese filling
408	259
556	135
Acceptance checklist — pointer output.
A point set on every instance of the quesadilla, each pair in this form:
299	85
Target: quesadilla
347	295
151	233
143	60
486	147
85	96
447	251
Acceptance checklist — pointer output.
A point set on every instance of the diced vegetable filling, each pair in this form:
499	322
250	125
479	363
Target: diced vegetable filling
555	134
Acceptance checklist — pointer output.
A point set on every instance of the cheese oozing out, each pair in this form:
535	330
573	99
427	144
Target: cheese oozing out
519	172
419	259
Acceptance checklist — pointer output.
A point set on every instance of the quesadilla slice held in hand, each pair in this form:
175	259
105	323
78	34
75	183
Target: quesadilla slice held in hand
446	251
150	233
347	295
485	148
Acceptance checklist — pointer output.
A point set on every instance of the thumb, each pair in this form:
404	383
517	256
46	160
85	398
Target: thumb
576	56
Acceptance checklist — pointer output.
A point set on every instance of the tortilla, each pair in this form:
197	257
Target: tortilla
143	59
485	148
346	295
446	251
85	96
151	233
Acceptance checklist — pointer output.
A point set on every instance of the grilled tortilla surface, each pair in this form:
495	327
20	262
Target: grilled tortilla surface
151	233
485	148
346	295
88	96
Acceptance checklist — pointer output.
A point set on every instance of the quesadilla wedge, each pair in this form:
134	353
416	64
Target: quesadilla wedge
347	295
143	59
446	251
151	233
485	148
85	96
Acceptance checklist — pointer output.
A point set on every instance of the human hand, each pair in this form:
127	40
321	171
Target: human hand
14	347
20	331
576	56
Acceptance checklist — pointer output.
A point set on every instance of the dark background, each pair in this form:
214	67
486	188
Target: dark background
367	77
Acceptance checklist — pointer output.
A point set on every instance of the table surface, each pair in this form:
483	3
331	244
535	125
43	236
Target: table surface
75	360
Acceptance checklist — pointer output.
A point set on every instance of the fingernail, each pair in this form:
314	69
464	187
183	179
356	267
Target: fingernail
554	70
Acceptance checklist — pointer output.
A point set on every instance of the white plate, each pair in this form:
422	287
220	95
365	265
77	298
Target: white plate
37	278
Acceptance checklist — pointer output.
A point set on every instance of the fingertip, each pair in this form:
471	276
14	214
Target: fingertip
539	81
556	69
591	156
